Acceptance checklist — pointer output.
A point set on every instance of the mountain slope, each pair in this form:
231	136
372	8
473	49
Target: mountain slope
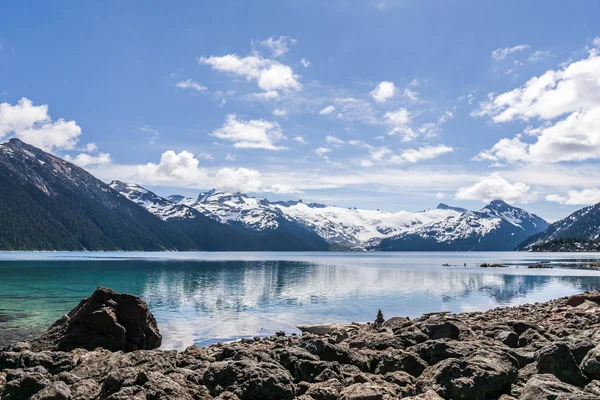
50	204
583	224
223	221
496	227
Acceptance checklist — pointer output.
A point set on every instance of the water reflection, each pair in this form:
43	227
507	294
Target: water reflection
206	301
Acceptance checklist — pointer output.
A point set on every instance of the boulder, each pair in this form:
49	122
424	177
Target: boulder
366	391
428	395
481	375
509	338
24	383
54	391
591	363
557	359
250	380
548	387
325	329
578	299
105	319
400	360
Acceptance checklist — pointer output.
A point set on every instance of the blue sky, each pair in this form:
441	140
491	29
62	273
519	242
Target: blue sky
396	104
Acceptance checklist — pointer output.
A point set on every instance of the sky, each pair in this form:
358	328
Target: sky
390	104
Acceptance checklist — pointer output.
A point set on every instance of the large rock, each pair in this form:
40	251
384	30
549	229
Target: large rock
591	363
249	380
482	375
548	387
557	359
105	319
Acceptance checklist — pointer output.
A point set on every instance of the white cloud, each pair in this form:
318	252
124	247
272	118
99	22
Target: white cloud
327	110
190	84
89	148
205	156
305	63
270	95
433	129
300	139
414	83
230	157
596	41
180	168
574	197
422	153
154	134
269	75
334	140
495	187
281	189
34	125
279	112
366	163
322	151
383	92
278	47
440	195
411	94
538	55
238	180
86	160
571	95
399	121
252	134
502	53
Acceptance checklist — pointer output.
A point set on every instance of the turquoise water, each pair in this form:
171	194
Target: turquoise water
204	298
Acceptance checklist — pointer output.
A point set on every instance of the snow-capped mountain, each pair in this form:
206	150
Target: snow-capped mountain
225	221
582	224
497	226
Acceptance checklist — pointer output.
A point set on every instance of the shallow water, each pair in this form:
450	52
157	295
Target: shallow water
204	298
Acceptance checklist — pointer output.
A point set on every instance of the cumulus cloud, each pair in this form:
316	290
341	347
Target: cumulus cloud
495	187
87	160
173	167
238	180
322	151
34	125
420	154
300	139
383	92
305	63
279	112
282	189
252	134
575	197
566	101
399	122
269	75
279	46
327	110
190	84
502	53
334	140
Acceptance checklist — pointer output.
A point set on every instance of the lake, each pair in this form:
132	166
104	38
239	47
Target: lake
203	298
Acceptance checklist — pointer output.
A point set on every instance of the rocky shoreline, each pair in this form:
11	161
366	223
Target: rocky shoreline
106	349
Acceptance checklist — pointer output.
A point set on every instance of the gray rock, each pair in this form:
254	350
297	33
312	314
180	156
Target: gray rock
591	363
509	338
325	329
54	391
24	383
428	395
366	391
548	387
481	375
557	359
400	360
105	319
250	380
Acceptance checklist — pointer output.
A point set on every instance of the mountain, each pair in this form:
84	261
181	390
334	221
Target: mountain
50	204
496	227
579	231
228	222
